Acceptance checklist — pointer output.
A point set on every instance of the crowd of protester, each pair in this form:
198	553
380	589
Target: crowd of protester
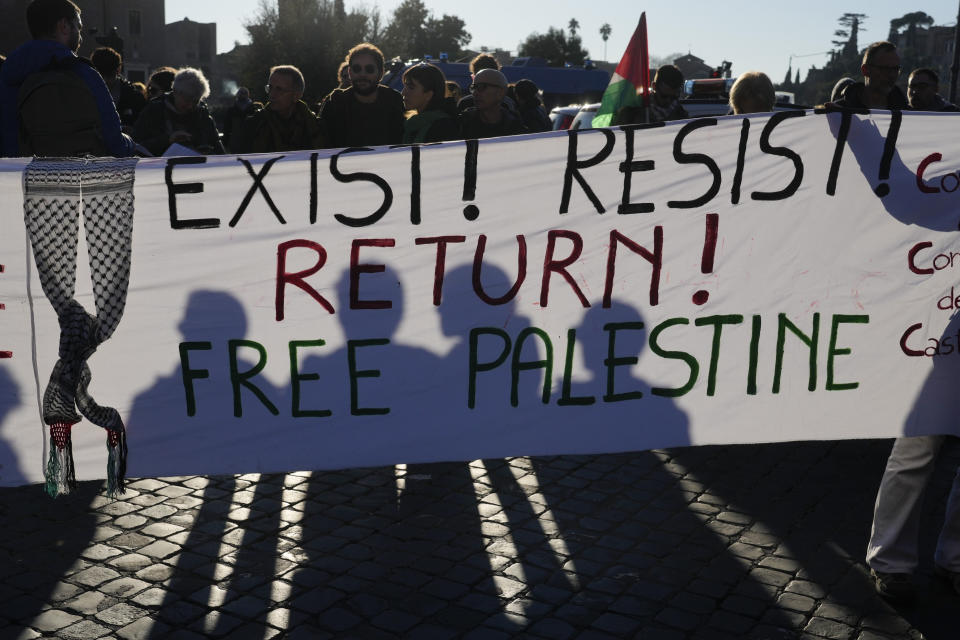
171	108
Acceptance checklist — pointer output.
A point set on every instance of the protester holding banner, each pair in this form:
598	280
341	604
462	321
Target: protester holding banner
285	123
922	88
367	113
752	93
424	91
664	103
180	117
488	118
880	69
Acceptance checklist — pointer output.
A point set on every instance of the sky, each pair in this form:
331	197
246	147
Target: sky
765	36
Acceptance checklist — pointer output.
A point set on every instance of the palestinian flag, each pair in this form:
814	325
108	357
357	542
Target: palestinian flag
630	83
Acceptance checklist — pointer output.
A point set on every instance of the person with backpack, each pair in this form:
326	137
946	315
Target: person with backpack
53	103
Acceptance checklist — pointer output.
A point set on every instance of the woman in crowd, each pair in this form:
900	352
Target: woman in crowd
424	91
752	93
180	117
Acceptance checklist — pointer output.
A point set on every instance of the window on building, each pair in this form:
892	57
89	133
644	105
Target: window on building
134	22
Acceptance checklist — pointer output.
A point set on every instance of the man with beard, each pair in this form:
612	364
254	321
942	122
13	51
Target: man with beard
366	113
51	101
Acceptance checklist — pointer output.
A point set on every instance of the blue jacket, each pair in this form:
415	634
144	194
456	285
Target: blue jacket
37	55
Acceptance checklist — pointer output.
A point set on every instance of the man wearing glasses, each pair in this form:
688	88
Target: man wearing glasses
922	92
285	123
880	69
365	114
489	118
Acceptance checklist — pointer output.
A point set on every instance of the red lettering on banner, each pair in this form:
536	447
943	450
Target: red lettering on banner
439	269
560	266
356	269
298	278
930	159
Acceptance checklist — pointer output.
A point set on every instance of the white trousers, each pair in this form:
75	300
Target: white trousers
894	544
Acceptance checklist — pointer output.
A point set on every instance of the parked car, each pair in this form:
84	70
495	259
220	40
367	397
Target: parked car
562	117
584	117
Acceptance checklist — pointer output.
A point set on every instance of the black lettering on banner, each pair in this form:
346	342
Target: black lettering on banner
889	147
765	147
695	158
187	187
362	176
741	156
842	135
313	187
627	168
257	186
572	170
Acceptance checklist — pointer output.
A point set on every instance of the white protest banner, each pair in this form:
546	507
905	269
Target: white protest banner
728	280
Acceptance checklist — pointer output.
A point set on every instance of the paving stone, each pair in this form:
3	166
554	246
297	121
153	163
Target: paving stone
100	552
829	629
87	603
796	602
124	587
130	521
53	620
120	614
153	597
395	621
94	575
144	629
161	529
617	625
159	549
84	630
156	573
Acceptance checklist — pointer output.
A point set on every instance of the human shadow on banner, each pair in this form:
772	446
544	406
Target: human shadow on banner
906	197
396	541
10	471
232	541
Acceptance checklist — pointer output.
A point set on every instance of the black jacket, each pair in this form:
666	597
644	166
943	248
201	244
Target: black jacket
351	123
853	98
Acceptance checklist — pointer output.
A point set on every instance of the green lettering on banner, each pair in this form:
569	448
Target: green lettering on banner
475	367
517	366
238	379
811	341
565	398
834	351
673	355
356	374
189	375
296	377
612	361
717	322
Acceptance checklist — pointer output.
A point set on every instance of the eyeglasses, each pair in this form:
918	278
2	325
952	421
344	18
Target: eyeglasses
368	69
919	86
887	68
481	86
272	87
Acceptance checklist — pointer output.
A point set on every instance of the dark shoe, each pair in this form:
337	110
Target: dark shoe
953	577
895	587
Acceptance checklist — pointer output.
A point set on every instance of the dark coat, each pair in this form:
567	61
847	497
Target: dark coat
351	123
853	98
472	127
40	55
159	120
265	131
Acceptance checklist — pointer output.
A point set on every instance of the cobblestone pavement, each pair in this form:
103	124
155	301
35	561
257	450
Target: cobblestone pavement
750	541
